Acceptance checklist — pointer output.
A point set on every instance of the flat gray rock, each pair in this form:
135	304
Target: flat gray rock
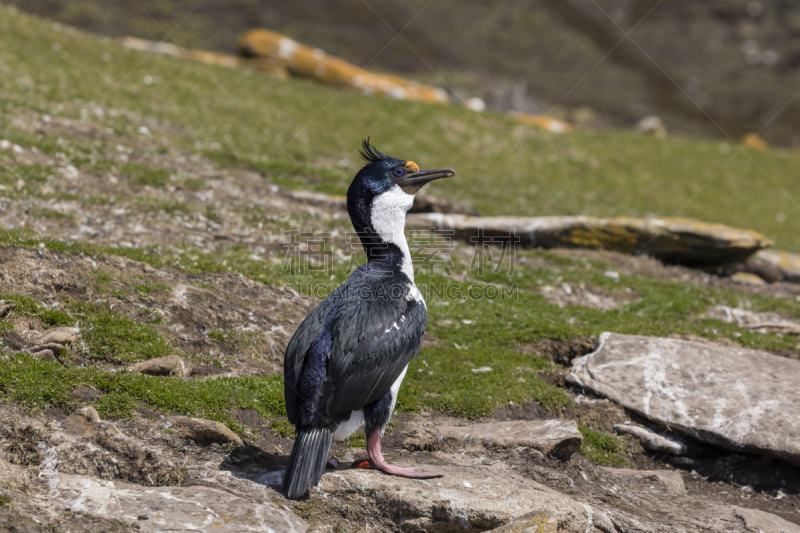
761	322
560	438
718	517
159	509
671	481
651	440
469	497
675	239
733	397
476	495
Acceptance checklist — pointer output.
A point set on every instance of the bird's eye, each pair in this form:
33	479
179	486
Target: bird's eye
398	172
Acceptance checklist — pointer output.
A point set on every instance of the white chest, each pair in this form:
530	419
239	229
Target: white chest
388	214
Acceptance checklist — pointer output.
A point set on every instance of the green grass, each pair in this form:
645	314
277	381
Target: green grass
604	449
107	334
146	288
282	428
299	133
134	173
56	215
5	501
115	337
357	440
39	384
50	316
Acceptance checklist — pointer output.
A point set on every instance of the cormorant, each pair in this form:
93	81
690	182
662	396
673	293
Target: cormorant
346	361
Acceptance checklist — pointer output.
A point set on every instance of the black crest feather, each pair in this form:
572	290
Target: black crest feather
370	154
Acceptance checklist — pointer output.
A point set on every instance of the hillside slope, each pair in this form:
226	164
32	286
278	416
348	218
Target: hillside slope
710	68
303	135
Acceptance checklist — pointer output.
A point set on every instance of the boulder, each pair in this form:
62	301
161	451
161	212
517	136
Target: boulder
302	60
473	498
748	278
671	482
535	522
559	438
734	397
476	495
712	517
205	56
169	365
60	336
760	322
86	393
13	476
583	295
86	423
45	354
681	240
653	125
156	509
204	431
425	203
788	263
651	440
755	520
545	122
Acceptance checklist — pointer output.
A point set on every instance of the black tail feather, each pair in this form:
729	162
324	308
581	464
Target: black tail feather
307	461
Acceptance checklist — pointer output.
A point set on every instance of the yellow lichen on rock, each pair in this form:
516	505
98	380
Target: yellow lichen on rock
787	262
304	60
545	122
752	140
683	240
746	278
205	56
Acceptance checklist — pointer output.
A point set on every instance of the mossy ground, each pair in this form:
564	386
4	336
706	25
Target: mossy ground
604	449
41	384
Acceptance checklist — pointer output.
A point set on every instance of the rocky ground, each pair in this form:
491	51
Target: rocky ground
82	474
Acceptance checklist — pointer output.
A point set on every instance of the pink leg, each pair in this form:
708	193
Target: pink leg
379	463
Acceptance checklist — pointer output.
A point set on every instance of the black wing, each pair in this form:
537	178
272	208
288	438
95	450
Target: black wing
371	335
297	352
374	339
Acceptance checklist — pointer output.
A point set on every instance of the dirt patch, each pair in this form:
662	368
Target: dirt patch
560	352
224	321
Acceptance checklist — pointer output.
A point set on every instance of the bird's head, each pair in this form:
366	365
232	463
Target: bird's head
384	173
383	191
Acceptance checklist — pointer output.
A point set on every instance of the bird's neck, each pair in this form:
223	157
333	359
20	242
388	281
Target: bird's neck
380	223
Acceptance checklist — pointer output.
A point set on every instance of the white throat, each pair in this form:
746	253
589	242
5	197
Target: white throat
389	220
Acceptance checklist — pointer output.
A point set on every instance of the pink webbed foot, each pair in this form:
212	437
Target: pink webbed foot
377	461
